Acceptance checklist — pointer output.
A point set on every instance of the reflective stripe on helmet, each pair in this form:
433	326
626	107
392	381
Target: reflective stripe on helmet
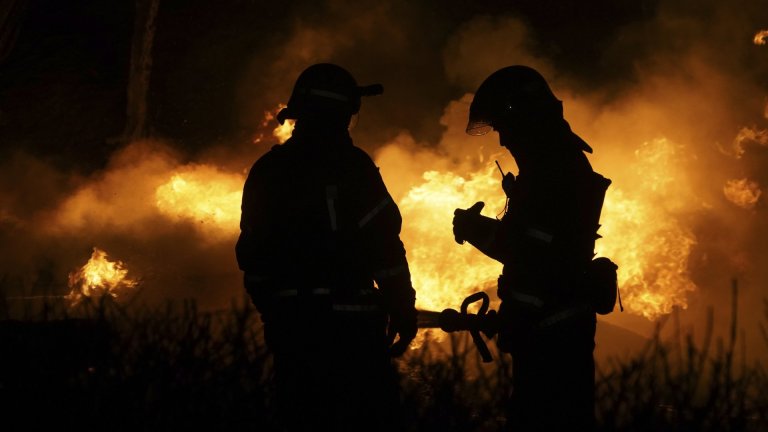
367	218
328	94
394	271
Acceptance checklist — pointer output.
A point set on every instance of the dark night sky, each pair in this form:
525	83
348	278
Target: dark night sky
62	88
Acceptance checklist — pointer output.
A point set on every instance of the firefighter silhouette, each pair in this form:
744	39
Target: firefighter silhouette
545	241
324	264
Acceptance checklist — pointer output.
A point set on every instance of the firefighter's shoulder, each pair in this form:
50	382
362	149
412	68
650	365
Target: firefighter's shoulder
275	156
361	159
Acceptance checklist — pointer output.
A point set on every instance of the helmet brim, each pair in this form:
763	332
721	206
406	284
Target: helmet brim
285	114
478	127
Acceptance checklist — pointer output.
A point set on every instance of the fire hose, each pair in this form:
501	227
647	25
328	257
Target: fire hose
450	320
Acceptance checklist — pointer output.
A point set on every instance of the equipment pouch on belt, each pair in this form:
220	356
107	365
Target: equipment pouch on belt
601	285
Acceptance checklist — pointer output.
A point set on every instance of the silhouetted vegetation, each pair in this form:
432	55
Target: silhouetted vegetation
105	366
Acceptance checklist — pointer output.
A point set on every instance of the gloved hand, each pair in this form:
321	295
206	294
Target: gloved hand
465	221
402	324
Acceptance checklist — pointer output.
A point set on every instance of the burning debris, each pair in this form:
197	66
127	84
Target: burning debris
748	135
761	37
743	192
99	277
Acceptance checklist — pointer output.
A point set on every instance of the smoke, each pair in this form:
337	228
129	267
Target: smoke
674	106
486	44
172	223
694	206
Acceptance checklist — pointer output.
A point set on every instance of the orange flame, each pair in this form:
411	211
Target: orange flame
443	272
743	192
761	37
203	194
747	135
643	234
282	132
98	277
652	251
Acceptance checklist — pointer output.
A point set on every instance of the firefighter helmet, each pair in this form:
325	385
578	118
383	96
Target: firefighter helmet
510	94
326	89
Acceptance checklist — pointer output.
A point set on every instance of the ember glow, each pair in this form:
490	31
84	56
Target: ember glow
99	277
204	195
743	192
761	37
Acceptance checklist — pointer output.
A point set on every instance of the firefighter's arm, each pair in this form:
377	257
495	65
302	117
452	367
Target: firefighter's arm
251	249
399	299
393	277
480	231
380	225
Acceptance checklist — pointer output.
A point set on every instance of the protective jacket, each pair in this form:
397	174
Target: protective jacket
546	239
318	229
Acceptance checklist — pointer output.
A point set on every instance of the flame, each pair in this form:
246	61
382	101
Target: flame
742	192
282	132
202	193
651	251
761	37
98	277
650	246
643	235
443	272
747	135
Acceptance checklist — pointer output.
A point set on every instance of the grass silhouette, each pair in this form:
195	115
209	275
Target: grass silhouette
106	366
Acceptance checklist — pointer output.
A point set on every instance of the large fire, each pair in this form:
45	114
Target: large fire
204	195
640	233
652	252
99	277
443	272
644	238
